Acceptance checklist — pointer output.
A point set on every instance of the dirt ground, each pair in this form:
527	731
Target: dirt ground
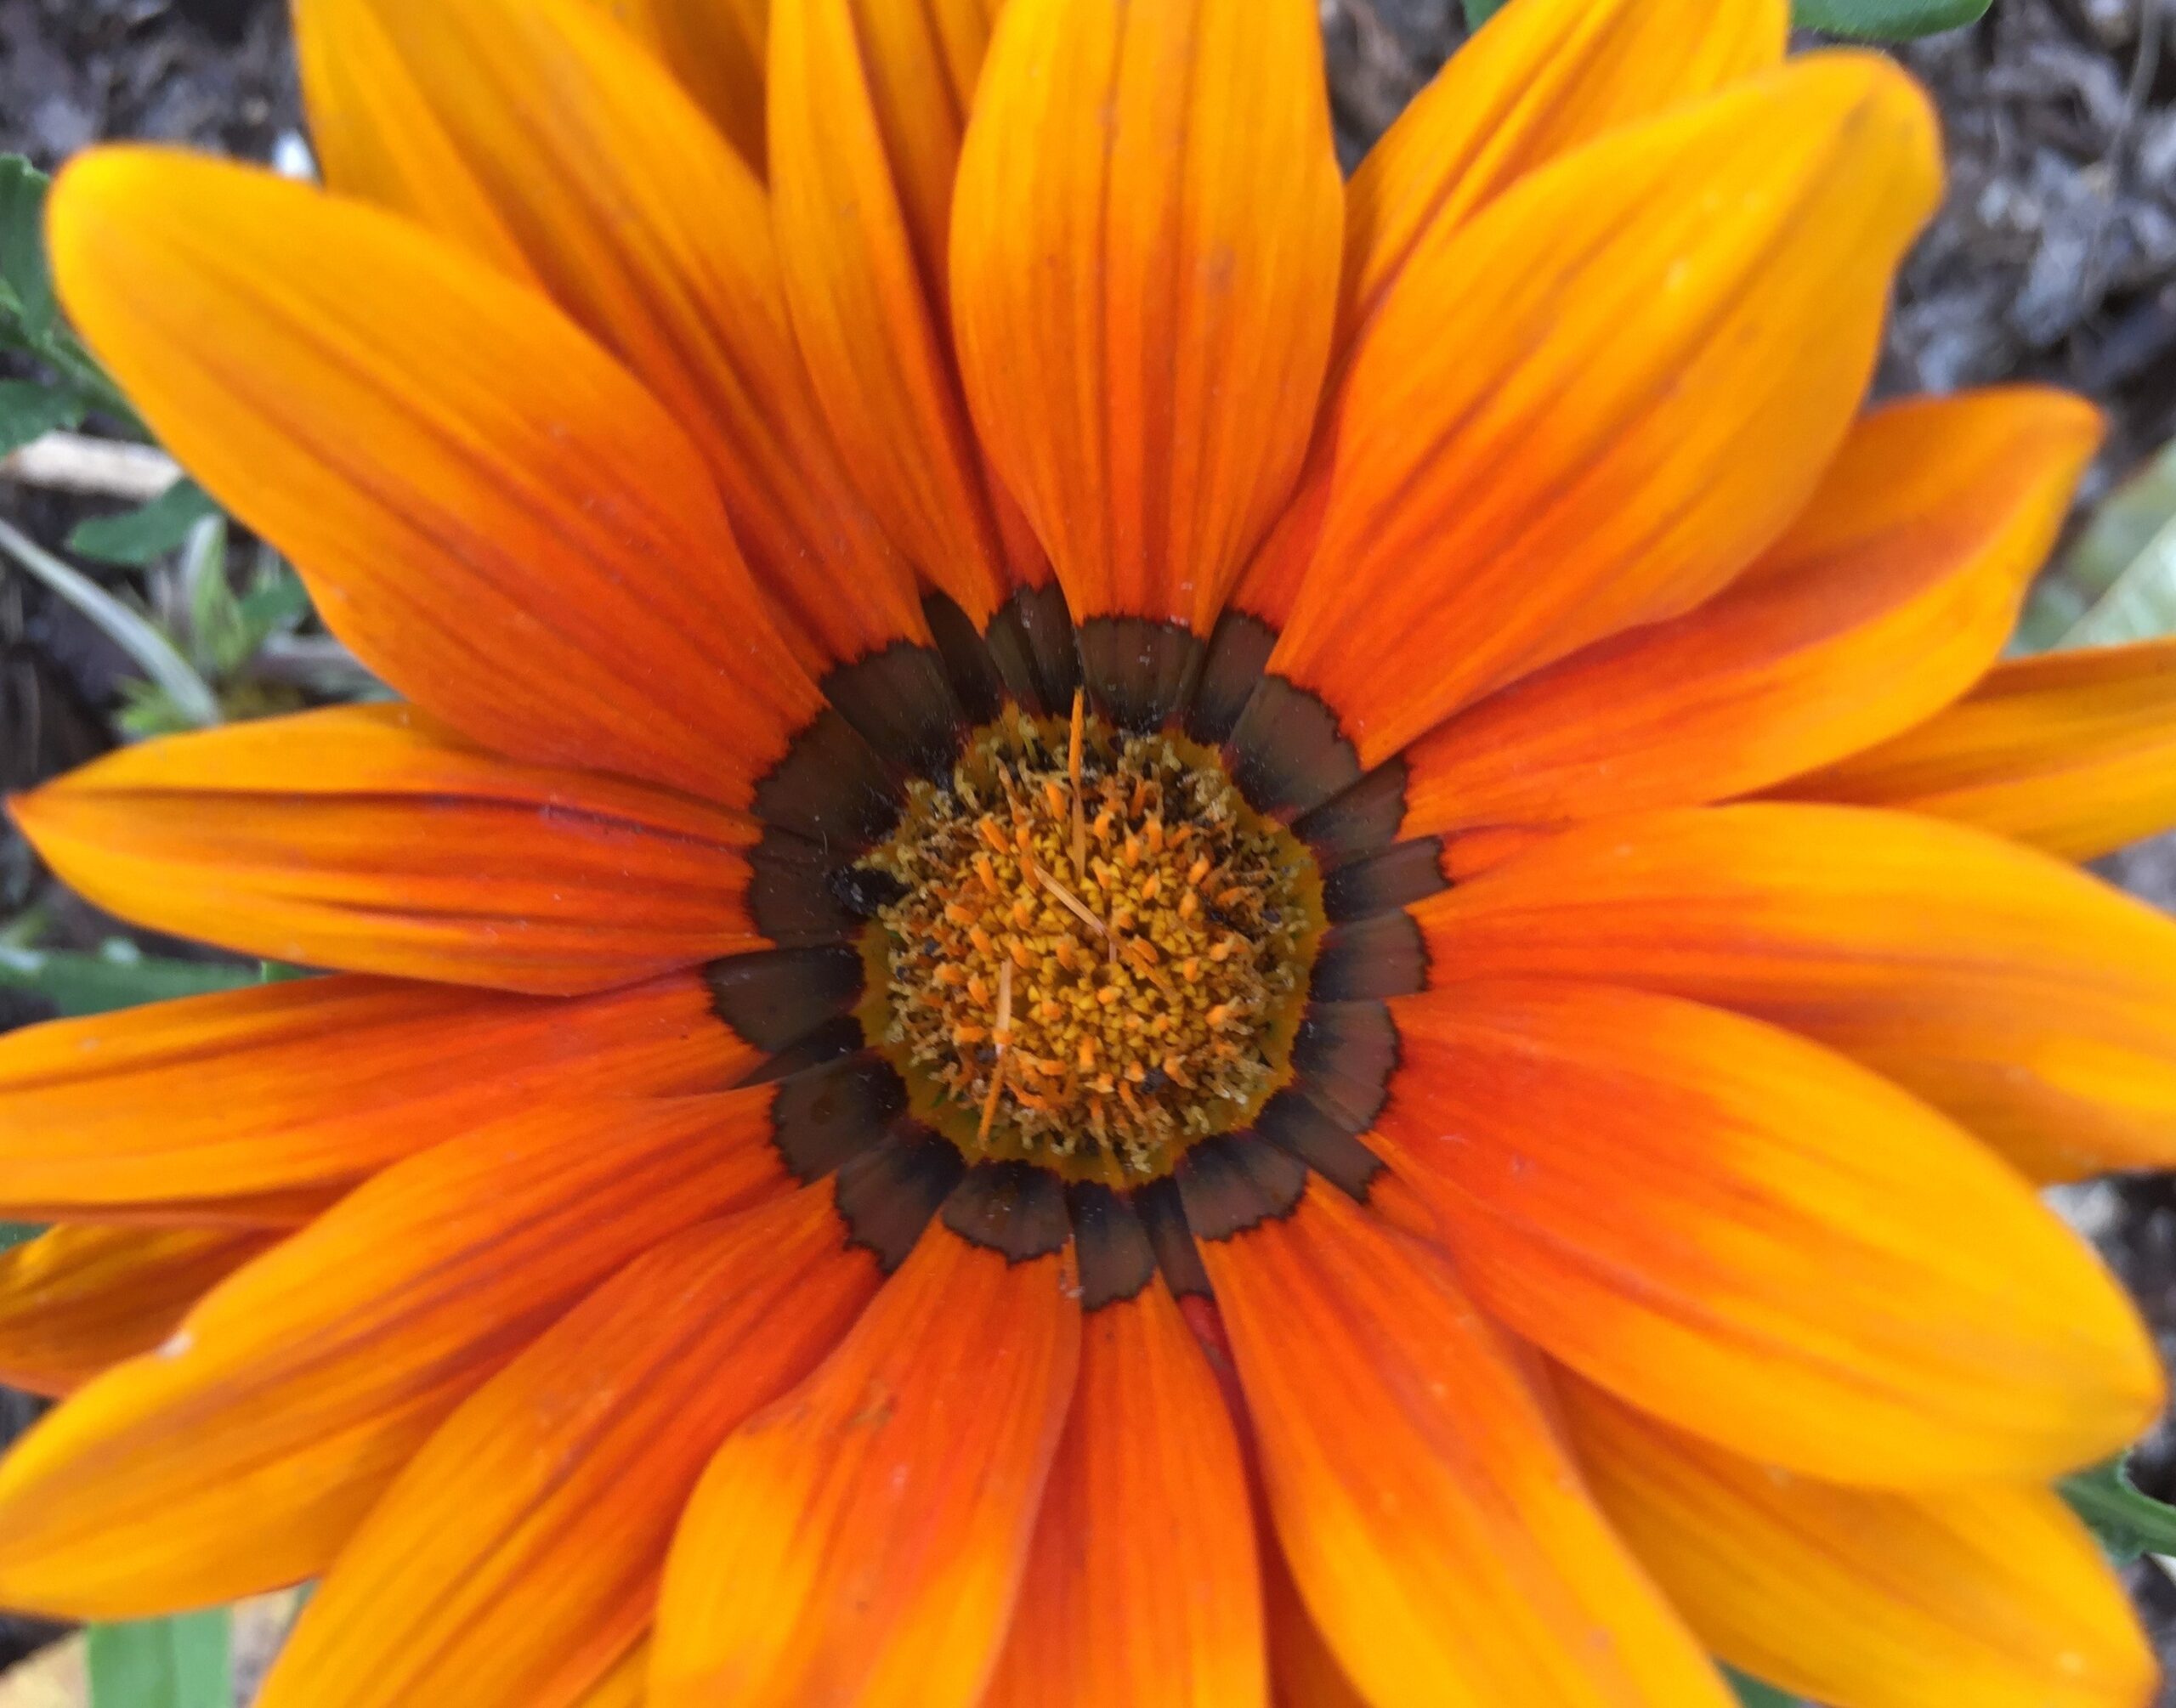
2053	258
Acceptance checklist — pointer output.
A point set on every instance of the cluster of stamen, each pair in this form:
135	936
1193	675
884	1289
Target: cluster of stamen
1099	951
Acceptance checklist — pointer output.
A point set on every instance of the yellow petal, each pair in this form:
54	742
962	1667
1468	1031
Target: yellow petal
2072	752
1545	78
1882	603
1599	400
489	509
1995	1597
2034	1004
1145	242
1758	1239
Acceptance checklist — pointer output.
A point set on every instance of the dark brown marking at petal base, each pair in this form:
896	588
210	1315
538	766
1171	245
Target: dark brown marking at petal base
1239	652
824	1116
901	701
1139	673
1376	882
777	997
1287	753
829	788
1116	1258
841	1035
1297	1124
1012	1207
794	894
1371	959
886	1194
1031	639
1363	820
975	681
1344	1054
1163	1219
1231	1183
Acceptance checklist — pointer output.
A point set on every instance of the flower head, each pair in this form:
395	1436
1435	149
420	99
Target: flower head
1137	929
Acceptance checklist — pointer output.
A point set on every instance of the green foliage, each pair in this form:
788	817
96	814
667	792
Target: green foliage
139	536
30	317
2128	1521
2118	582
1755	1694
13	1234
1886	21
30	411
1868	20
118	976
181	1662
25	285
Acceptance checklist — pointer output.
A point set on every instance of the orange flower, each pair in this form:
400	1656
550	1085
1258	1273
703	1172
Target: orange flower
1046	993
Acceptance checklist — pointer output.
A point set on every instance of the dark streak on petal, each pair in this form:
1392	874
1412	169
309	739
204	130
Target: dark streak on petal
886	1194
824	1116
1163	1219
1373	957
1116	1258
1287	753
1233	1182
1012	1207
1139	673
777	997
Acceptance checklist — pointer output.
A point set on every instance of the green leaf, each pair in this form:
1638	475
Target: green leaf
30	410
78	983
13	1234
25	285
2129	1521
1886	21
127	628
1755	1694
1479	12
2133	530
180	1662
136	537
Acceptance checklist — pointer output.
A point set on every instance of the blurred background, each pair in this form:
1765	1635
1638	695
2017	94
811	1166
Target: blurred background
127	607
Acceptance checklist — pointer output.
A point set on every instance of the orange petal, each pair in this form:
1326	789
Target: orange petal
1143	1586
868	99
1548	78
518	1554
2072	752
1758	1239
361	838
240	1455
77	1299
319	1081
626	1686
1996	1596
1144	273
715	50
500	521
2034	1003
1593	407
1440	1537
861	1539
1303	1673
650	232
1884	602
377	137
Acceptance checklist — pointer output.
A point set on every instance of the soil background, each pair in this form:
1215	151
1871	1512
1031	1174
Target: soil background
2053	258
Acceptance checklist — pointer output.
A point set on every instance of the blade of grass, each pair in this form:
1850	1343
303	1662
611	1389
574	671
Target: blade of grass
151	652
181	1662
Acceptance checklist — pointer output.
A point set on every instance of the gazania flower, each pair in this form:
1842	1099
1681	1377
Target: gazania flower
1138	930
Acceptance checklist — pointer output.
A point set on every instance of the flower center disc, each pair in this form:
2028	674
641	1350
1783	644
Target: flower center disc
1099	954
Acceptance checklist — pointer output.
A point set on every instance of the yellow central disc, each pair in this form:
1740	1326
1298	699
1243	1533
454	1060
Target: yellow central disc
1101	953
